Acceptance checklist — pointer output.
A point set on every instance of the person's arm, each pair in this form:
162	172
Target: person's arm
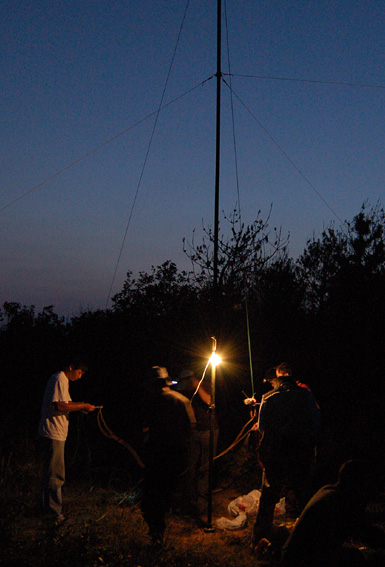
73	406
190	413
204	395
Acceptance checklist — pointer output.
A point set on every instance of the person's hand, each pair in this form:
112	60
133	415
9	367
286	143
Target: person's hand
88	407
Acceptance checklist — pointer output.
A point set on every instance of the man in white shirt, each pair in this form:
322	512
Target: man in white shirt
53	431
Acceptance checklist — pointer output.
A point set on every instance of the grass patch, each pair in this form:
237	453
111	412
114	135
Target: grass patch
105	526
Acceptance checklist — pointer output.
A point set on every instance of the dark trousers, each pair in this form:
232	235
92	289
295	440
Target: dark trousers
164	465
281	479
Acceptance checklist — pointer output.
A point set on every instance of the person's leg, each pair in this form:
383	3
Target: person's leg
298	483
159	484
53	475
270	495
152	498
188	479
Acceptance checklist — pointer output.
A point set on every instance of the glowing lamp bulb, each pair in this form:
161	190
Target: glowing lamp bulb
215	359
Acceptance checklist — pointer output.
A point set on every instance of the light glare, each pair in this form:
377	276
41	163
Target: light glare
215	359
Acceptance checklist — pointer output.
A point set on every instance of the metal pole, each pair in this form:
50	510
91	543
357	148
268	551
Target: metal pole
249	345
217	160
209	526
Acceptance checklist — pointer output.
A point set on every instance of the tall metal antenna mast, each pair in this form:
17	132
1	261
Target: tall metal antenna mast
209	527
217	159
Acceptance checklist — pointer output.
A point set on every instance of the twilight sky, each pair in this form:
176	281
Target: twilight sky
82	164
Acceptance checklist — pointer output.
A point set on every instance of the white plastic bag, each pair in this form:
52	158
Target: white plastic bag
235	524
243	507
240	509
280	507
247	504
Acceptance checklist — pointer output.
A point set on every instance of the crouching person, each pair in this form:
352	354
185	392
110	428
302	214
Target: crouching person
334	516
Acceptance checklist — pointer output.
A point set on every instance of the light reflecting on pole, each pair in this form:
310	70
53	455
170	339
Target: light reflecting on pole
214	360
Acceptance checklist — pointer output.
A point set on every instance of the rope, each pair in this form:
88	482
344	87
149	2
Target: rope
240	437
108	433
286	155
97	148
139	184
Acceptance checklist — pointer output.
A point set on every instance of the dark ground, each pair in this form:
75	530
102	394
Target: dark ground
105	525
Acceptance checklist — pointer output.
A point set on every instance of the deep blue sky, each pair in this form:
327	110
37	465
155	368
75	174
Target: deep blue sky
76	74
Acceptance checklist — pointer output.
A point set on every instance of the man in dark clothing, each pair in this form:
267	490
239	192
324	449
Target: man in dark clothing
170	422
288	423
334	515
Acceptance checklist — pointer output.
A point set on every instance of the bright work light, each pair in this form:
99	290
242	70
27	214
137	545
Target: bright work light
215	359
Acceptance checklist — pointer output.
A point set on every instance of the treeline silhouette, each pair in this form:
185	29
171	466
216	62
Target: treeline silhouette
324	313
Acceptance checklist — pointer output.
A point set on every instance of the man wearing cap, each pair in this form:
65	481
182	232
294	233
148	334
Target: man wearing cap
170	424
288	423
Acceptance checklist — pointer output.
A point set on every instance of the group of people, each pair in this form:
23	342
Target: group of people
288	425
176	427
178	424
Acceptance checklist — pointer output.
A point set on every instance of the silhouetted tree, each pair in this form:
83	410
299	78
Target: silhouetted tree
344	274
243	250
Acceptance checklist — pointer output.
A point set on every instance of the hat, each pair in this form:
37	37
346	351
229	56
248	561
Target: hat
161	377
270	375
284	367
186	373
160	372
